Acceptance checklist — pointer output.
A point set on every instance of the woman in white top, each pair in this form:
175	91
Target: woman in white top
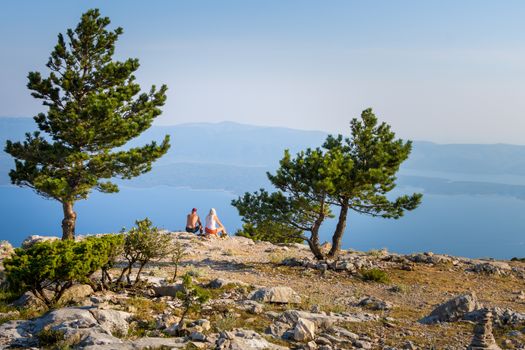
213	225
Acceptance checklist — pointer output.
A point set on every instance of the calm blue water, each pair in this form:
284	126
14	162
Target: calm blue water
472	226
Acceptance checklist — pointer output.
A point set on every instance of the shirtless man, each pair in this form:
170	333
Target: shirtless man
193	222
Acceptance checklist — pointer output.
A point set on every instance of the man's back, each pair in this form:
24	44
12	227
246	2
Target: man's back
192	220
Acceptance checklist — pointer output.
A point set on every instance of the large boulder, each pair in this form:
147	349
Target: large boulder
278	295
113	321
453	310
92	328
77	293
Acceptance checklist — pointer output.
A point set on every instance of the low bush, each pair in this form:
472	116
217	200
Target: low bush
142	244
49	268
375	275
192	297
50	337
269	231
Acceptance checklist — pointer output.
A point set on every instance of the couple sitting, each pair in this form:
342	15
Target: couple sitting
213	225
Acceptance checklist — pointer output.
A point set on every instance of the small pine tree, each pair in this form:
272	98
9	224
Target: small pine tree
192	297
142	244
179	252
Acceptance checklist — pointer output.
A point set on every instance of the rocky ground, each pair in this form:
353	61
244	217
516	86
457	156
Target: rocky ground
267	296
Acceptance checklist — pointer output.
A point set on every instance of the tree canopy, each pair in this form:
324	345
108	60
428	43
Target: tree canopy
94	107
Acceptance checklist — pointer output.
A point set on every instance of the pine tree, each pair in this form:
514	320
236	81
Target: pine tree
354	173
93	106
375	156
301	203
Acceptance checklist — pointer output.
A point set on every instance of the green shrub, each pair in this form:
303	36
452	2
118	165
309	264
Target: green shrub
179	252
375	275
109	248
49	268
50	337
192	297
269	231
142	244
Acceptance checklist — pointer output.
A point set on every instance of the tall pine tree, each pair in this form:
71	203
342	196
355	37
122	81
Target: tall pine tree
94	108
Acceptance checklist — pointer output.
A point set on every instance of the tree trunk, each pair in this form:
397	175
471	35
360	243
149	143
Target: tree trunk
339	231
69	221
313	242
137	279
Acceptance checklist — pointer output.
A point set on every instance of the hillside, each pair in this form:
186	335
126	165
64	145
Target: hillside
267	296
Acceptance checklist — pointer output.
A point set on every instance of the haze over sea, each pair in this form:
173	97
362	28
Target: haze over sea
474	195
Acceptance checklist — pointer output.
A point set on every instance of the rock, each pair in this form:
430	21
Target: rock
28	300
157	343
429	258
322	320
304	330
221	282
6	249
77	293
218	283
169	290
453	309
492	268
16	334
409	346
278	329
344	333
197	336
322	341
204	323
311	345
94	338
278	295
242	339
361	344
483	337
502	317
373	303
252	306
29	241
113	321
172	330
244	240
325	347
78	322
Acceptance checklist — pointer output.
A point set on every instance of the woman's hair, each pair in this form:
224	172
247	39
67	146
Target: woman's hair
212	212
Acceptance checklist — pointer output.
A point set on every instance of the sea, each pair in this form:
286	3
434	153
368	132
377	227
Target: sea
476	226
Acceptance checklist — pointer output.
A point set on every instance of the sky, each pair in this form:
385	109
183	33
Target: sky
447	71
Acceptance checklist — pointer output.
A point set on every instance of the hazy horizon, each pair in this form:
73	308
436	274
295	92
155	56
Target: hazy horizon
441	71
299	129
